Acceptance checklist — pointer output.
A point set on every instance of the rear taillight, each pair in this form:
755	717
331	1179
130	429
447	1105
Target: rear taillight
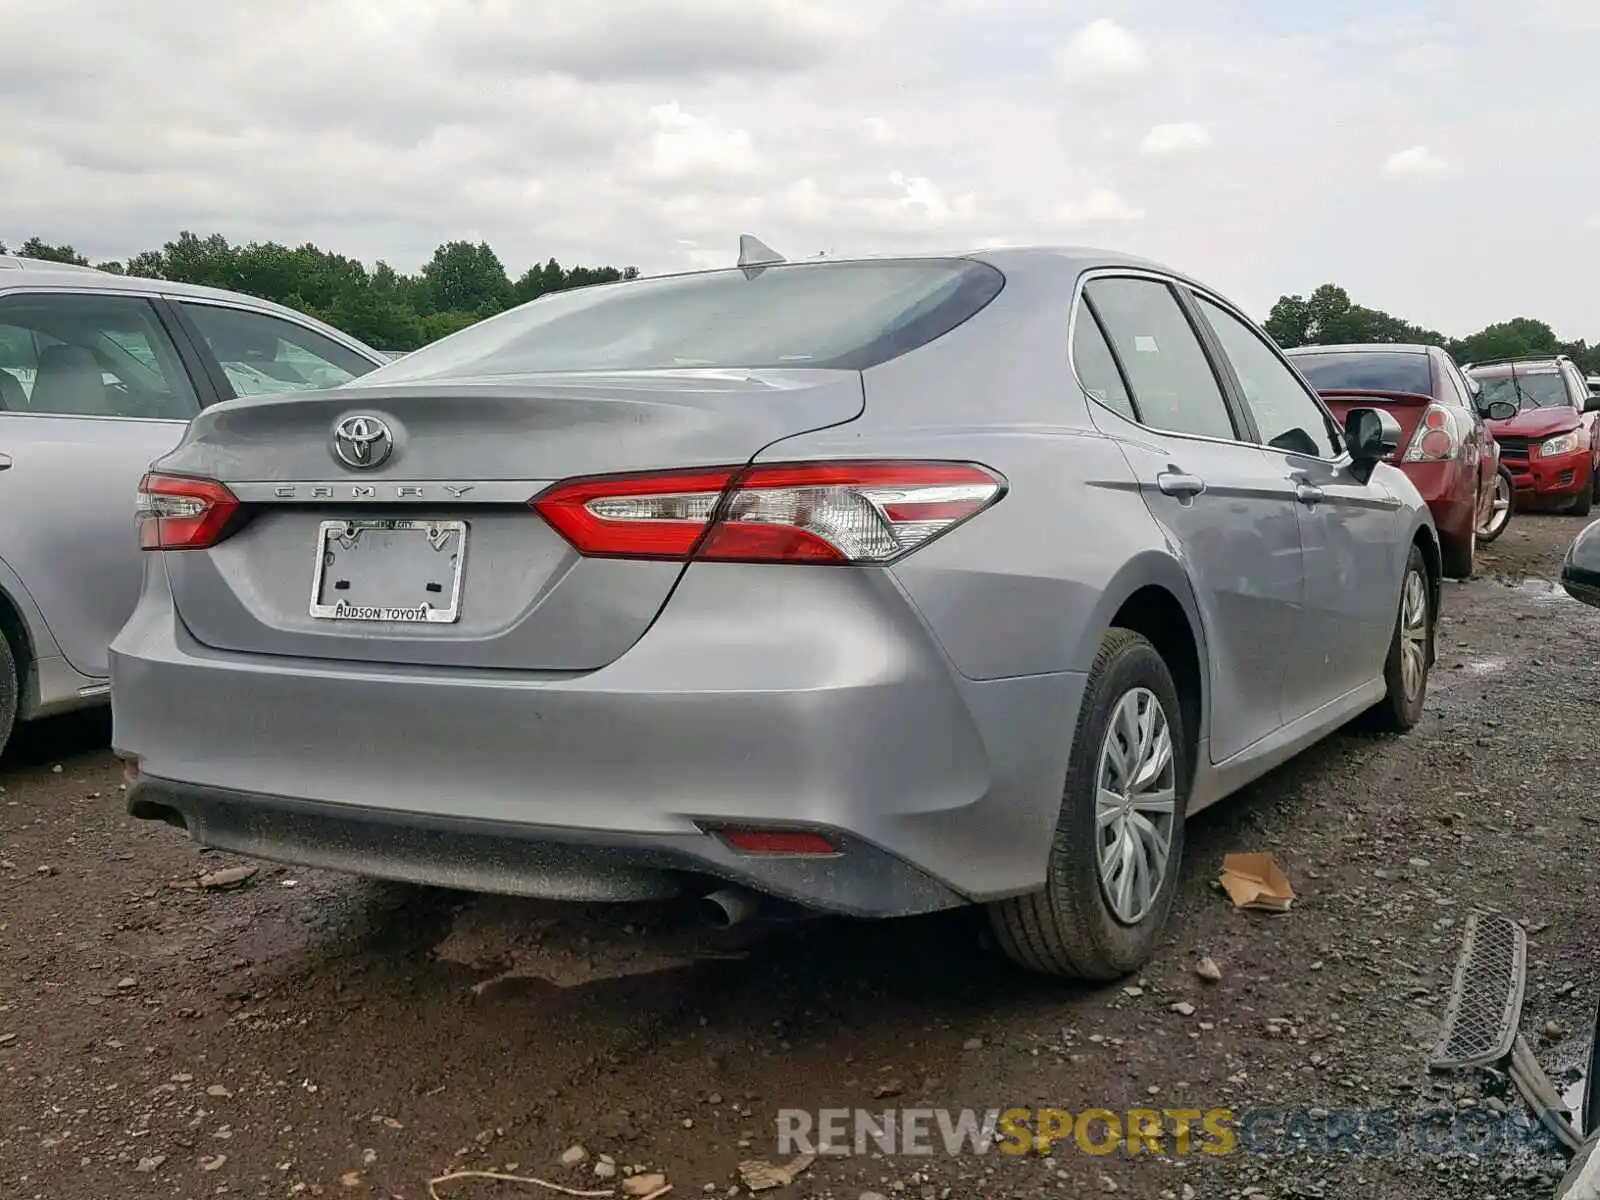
836	512
179	513
1438	437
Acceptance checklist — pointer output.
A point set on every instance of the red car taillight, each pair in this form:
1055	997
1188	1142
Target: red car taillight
179	513
830	512
1438	437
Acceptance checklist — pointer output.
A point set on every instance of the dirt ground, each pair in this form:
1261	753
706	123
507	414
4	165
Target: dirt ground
310	1034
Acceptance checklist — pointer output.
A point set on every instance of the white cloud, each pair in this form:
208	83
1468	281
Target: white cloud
1103	55
684	146
1182	138
1099	206
636	132
879	132
1417	162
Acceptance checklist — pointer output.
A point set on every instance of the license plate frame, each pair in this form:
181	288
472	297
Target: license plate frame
437	533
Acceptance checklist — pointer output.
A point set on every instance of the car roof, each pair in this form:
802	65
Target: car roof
16	270
1366	348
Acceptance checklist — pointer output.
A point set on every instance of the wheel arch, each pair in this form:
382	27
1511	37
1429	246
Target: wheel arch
1426	539
20	640
1152	596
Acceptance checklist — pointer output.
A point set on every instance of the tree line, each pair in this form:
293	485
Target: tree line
462	283
1328	317
465	282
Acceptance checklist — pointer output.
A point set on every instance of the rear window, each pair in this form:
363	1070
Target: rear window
1368	370
849	315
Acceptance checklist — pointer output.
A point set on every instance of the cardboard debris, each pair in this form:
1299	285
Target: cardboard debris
213	880
759	1175
1254	882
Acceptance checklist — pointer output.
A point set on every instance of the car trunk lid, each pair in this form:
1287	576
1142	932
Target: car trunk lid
1406	408
443	521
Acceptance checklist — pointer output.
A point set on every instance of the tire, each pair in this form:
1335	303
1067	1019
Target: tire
1072	928
9	694
1497	522
1583	503
1459	559
1412	641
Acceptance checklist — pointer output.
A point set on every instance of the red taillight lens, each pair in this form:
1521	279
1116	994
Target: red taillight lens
842	512
1438	438
179	513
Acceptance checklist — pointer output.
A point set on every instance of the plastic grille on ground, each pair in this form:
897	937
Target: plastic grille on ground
1485	1007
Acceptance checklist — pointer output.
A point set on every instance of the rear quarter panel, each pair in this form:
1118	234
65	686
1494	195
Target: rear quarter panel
1029	586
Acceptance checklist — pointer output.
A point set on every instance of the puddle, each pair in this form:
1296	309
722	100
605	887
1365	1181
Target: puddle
1542	590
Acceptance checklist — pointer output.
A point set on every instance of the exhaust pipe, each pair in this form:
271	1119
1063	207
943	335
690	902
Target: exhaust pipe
730	906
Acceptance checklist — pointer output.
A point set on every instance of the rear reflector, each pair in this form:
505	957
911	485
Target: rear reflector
776	841
179	513
833	512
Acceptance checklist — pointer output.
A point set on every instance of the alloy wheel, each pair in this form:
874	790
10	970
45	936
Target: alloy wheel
1499	508
1135	805
1413	633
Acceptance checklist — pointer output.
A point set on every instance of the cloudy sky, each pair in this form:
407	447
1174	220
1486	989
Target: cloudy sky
1437	157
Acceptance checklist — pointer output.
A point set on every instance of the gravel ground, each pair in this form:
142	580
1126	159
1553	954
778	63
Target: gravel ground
310	1034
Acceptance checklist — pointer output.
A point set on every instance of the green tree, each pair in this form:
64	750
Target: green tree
37	248
462	283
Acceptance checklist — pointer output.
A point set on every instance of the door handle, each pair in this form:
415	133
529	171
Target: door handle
1306	493
5	462
1176	483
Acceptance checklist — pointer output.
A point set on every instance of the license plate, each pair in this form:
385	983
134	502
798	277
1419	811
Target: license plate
405	572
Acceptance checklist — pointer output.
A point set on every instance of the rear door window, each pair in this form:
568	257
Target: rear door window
1097	367
1174	386
90	355
261	355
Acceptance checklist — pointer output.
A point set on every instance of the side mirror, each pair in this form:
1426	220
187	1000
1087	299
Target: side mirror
1591	402
1371	435
1499	410
1580	570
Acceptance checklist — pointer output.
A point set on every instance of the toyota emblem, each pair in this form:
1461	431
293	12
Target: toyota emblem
362	442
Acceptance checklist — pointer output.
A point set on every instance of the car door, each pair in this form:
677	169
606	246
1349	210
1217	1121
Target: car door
1227	510
93	388
1352	550
254	353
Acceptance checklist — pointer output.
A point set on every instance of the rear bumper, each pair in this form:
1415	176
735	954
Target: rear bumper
842	716
1451	493
1556	478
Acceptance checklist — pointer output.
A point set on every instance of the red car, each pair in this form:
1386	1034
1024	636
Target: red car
1550	443
1446	448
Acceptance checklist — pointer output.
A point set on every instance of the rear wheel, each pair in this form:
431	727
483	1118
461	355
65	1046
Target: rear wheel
1410	651
8	691
1119	839
1460	557
1499	517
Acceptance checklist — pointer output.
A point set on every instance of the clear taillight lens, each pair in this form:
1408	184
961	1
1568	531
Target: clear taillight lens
843	512
176	512
1438	438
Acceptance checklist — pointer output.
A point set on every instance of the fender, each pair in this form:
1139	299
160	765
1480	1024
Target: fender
41	643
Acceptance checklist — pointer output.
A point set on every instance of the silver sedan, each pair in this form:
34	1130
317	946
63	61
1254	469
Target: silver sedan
869	587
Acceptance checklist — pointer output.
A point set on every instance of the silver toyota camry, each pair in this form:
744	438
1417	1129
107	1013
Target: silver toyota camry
867	587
